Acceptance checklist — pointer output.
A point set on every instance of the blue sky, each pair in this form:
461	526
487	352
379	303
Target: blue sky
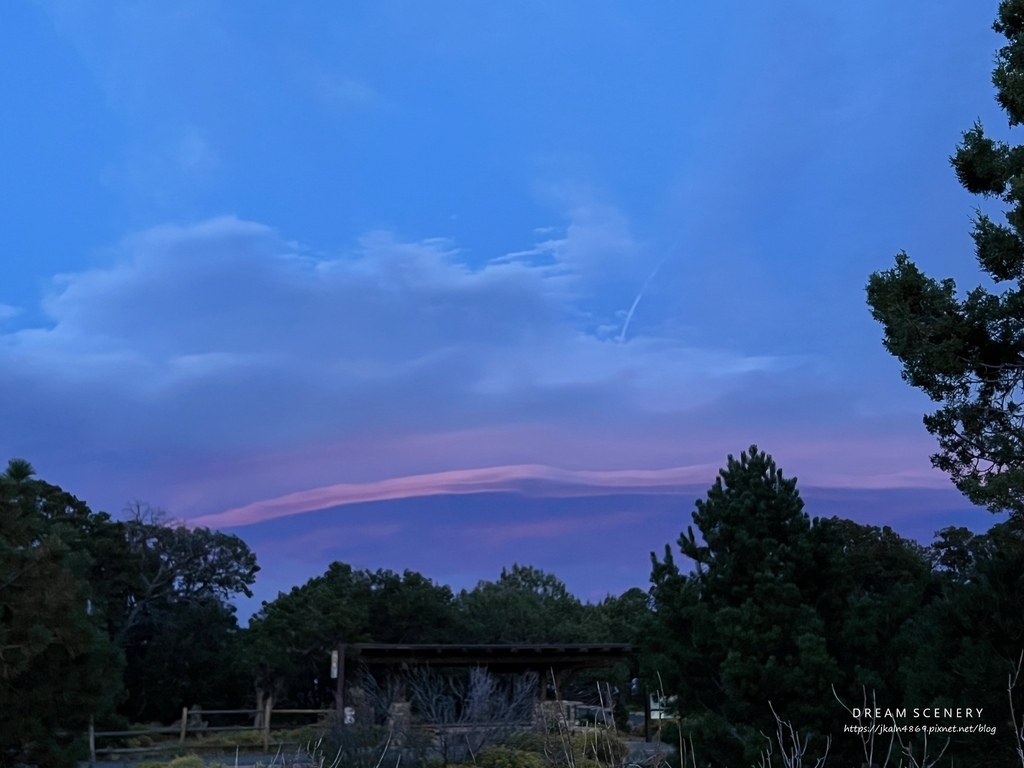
372	255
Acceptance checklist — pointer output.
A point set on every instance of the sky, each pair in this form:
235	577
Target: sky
452	285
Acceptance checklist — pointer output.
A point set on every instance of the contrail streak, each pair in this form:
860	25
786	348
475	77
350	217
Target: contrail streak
632	309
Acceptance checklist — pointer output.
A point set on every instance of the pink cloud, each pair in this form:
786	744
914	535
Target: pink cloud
536	479
486	480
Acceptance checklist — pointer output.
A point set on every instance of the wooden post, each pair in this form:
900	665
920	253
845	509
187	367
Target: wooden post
92	742
341	680
184	723
647	715
266	725
339	691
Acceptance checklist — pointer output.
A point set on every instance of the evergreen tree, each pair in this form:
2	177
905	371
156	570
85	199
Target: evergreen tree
746	622
524	605
968	354
58	666
879	583
289	642
964	646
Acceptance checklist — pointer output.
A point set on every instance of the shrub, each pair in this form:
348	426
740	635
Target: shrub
601	745
507	757
353	747
187	761
307	734
527	741
240	738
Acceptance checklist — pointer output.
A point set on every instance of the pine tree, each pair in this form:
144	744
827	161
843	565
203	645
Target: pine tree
968	354
58	666
749	610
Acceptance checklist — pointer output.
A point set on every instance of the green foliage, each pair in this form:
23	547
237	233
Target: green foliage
755	586
601	745
409	609
255	738
527	741
353	747
289	642
780	608
96	614
968	354
964	646
187	761
531	749
500	756
878	584
171	615
57	665
839	604
525	605
627	618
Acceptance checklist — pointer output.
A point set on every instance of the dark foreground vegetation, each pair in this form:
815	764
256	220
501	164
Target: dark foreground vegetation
129	620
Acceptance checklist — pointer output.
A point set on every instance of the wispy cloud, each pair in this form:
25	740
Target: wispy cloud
533	479
223	333
490	479
196	353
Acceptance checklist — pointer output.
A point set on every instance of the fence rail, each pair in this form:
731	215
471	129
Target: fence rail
185	727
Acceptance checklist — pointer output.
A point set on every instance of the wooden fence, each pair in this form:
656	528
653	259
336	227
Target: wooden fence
191	722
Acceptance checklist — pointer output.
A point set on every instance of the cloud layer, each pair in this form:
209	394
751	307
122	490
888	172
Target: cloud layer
222	341
528	479
556	482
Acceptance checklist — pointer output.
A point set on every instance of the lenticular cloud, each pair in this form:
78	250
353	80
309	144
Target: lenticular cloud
485	480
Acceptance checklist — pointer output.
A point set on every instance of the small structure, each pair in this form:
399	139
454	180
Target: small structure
546	660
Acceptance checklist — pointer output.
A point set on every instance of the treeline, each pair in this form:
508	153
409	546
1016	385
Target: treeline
121	620
290	640
129	620
804	615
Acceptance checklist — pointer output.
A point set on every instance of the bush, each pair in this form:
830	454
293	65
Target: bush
354	747
527	741
239	738
601	745
188	761
307	734
507	757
